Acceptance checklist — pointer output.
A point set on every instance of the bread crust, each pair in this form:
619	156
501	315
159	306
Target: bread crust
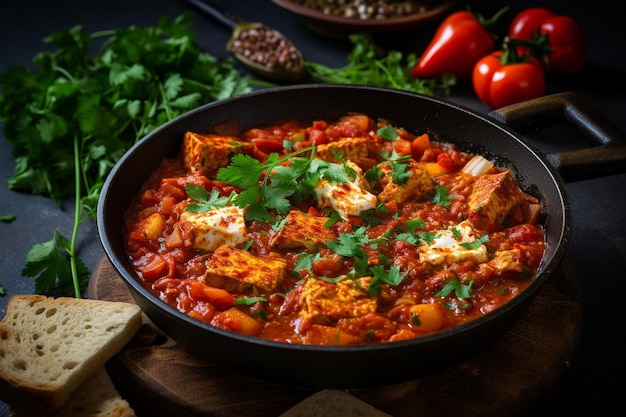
50	346
96	397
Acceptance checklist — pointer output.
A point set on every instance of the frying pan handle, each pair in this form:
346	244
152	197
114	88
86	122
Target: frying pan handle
607	154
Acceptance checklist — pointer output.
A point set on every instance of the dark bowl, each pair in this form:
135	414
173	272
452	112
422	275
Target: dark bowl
340	27
337	366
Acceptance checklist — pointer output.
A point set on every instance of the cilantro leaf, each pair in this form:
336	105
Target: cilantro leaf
206	202
47	262
349	244
460	290
441	197
399	175
475	244
370	64
279	182
387	132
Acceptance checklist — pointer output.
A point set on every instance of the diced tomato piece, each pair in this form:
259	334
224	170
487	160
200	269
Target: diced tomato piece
237	321
219	298
151	266
268	145
419	145
445	161
312	211
391	206
317	136
402	147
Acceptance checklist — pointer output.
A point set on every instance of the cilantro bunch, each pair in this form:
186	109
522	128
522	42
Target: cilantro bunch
84	104
370	64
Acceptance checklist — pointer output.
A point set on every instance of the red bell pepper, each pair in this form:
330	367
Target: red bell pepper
557	39
459	42
505	77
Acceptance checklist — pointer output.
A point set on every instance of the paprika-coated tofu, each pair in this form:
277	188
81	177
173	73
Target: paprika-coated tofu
418	184
326	302
208	153
302	230
261	271
495	195
352	149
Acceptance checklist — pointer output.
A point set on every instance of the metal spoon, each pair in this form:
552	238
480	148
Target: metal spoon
263	50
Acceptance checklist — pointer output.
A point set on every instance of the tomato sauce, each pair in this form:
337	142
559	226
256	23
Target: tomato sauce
410	242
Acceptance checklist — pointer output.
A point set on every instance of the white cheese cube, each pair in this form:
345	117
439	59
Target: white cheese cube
220	226
446	249
347	199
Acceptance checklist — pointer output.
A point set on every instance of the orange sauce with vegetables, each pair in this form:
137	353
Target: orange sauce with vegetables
333	232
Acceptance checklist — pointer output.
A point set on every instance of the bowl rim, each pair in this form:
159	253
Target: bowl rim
313	14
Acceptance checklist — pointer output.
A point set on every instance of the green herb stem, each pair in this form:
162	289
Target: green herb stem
77	215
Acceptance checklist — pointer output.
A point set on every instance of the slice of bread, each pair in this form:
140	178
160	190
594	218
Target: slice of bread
331	403
50	346
96	397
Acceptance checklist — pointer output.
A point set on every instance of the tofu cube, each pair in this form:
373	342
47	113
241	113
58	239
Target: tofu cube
302	231
352	149
244	269
326	302
418	184
495	195
208	153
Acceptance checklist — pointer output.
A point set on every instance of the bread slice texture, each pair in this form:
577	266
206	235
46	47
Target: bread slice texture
96	397
331	403
50	346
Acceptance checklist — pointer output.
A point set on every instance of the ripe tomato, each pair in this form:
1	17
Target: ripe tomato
558	39
498	84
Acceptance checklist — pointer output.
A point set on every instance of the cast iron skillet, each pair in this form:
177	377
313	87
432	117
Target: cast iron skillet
368	365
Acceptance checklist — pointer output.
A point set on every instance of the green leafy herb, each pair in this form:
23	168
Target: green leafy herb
399	175
370	64
206	202
3	290
250	300
387	132
48	262
460	290
75	114
441	197
7	218
259	195
475	244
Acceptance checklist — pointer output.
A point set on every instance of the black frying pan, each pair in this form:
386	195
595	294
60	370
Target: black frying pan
368	365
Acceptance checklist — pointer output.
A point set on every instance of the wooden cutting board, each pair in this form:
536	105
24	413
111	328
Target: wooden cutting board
507	379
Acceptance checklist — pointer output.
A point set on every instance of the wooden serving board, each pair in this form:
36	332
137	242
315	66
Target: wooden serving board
507	379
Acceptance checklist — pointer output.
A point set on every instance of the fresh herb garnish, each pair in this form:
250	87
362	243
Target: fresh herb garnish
76	113
387	132
259	196
7	218
370	64
250	300
399	173
460	290
206	202
441	197
475	244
